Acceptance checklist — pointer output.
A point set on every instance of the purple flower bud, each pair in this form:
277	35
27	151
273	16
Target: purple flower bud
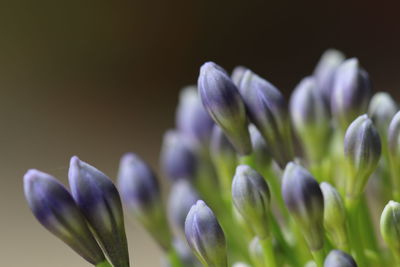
191	117
394	136
181	198
352	91
325	70
305	202
205	236
262	155
267	109
100	203
311	118
237	74
381	109
223	102
178	160
140	193
251	197
56	210
362	148
338	258
390	225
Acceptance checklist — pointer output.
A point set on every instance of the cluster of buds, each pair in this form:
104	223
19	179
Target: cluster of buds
254	179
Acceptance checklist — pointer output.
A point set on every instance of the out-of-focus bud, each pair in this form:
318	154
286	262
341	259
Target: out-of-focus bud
362	148
223	102
267	109
237	74
324	72
240	264
141	196
393	147
390	225
334	215
224	156
191	117
311	119
351	93
100	203
262	155
56	210
305	202
205	236
338	258
182	197
256	251
178	159
251	197
381	109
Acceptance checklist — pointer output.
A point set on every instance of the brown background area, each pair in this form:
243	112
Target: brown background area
99	78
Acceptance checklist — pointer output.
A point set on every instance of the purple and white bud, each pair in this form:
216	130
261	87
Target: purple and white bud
205	236
141	196
351	93
268	111
178	159
362	149
381	110
305	202
192	119
55	209
237	74
325	70
251	197
338	258
223	102
100	203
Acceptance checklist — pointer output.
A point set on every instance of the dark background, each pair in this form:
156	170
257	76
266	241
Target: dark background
100	78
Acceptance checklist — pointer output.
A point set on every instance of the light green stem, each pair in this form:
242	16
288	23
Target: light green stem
354	230
104	264
319	257
174	259
268	252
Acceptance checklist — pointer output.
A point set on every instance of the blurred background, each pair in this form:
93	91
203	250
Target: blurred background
100	78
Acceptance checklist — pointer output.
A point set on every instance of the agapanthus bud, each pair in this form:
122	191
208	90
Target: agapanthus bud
390	225
310	116
56	210
267	109
140	193
262	155
191	117
100	203
381	109
237	74
351	93
205	236
305	202
251	197
334	214
178	160
362	148
182	197
338	258
223	102
324	72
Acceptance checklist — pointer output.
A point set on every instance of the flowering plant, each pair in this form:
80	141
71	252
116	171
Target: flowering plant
254	180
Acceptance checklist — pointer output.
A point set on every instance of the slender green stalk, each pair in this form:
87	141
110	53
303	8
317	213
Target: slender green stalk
268	252
104	264
174	259
319	257
354	230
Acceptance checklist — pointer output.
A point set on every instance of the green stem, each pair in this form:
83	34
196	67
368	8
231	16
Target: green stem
174	259
355	239
104	264
268	252
319	257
